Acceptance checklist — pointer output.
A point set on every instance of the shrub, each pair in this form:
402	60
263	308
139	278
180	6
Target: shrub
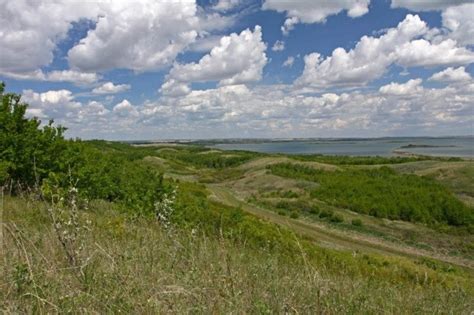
356	222
294	215
28	152
336	218
326	214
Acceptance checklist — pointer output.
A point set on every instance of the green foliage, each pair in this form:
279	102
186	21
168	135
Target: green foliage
204	158
110	175
367	160
28	152
32	155
326	214
356	222
294	215
336	218
136	266
381	192
297	206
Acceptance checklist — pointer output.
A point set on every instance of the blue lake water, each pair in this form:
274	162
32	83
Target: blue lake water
455	146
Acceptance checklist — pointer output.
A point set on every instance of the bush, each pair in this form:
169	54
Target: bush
326	214
294	215
336	218
314	210
356	222
32	155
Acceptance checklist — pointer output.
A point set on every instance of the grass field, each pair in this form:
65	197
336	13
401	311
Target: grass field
241	239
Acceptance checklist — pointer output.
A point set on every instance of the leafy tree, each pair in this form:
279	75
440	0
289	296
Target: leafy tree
28	152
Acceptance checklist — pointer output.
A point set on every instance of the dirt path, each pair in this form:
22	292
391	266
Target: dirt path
330	237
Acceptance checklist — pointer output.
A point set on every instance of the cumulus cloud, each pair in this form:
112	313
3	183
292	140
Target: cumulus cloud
31	30
423	53
289	62
110	88
460	23
431	5
205	44
55	104
125	108
456	16
277	111
239	58
226	5
78	78
403	89
372	56
451	75
310	11
141	36
278	46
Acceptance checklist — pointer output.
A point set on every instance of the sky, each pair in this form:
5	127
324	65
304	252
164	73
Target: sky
186	69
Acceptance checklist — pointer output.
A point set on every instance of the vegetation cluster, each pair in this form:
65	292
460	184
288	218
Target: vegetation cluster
383	193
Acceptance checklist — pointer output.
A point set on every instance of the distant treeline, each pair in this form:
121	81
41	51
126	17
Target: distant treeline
368	160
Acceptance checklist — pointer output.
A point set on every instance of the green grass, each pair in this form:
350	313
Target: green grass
222	255
138	266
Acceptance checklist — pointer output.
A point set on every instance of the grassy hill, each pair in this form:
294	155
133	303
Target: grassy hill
239	238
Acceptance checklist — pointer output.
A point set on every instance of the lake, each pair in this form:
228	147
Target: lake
448	146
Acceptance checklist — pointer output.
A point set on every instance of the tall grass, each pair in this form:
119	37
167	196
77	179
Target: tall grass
137	266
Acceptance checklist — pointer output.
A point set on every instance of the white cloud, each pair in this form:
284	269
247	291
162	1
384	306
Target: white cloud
423	53
239	58
276	111
362	64
460	23
110	88
51	104
289	62
431	5
451	75
31	29
372	56
403	89
456	16
310	11
278	46
71	76
78	78
205	44
226	5
141	36
125	109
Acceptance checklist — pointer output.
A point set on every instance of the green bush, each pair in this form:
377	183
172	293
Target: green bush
336	218
294	215
356	222
28	152
381	192
32	155
326	214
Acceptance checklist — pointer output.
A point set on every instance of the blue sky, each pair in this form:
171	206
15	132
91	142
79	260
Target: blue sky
239	68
